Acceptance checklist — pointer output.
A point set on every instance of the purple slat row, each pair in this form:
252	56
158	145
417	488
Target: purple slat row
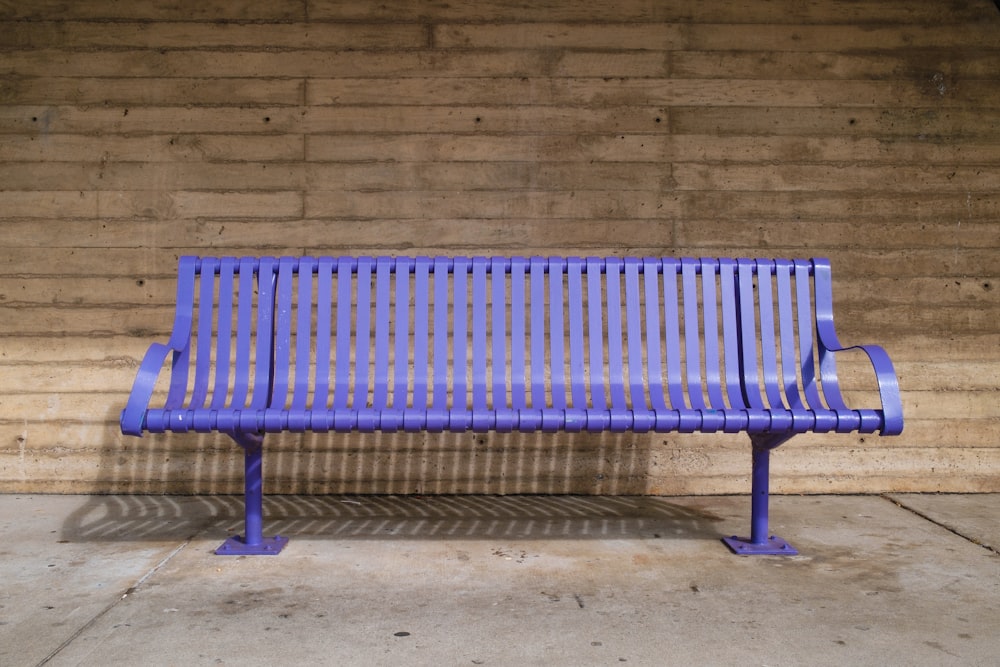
659	366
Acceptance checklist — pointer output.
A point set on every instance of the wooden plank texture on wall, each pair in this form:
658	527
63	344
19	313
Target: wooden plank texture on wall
866	131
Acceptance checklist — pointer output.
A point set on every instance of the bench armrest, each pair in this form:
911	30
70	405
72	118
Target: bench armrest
142	389
885	374
888	385
134	414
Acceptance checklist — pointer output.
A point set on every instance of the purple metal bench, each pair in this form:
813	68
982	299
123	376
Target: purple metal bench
266	345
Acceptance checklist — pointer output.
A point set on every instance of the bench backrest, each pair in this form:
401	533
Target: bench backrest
520	338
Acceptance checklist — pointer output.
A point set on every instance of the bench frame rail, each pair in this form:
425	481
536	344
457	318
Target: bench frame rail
267	345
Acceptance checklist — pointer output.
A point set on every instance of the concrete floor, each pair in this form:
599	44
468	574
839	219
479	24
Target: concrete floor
528	580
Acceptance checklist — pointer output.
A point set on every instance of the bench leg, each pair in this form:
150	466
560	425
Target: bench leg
253	542
760	543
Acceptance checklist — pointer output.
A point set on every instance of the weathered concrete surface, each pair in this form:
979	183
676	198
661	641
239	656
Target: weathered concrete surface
493	581
972	516
52	583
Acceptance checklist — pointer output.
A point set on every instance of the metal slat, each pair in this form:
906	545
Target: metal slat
786	332
779	415
244	315
383	299
479	323
768	339
264	362
828	373
421	333
441	334
616	357
498	333
556	335
401	362
362	332
748	337
324	321
692	338
538	313
342	335
807	334
577	372
180	337
595	334
710	311
224	335
633	336
460	346
203	354
826	416
518	334
283	333
654	351
671	325
303	336
731	335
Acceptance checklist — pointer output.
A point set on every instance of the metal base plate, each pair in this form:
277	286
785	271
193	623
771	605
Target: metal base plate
234	546
775	546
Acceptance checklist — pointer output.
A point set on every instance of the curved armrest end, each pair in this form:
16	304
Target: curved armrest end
134	415
888	388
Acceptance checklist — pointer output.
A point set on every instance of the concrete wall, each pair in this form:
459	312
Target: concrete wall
132	133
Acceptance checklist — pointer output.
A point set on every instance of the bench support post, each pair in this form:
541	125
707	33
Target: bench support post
760	542
253	542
